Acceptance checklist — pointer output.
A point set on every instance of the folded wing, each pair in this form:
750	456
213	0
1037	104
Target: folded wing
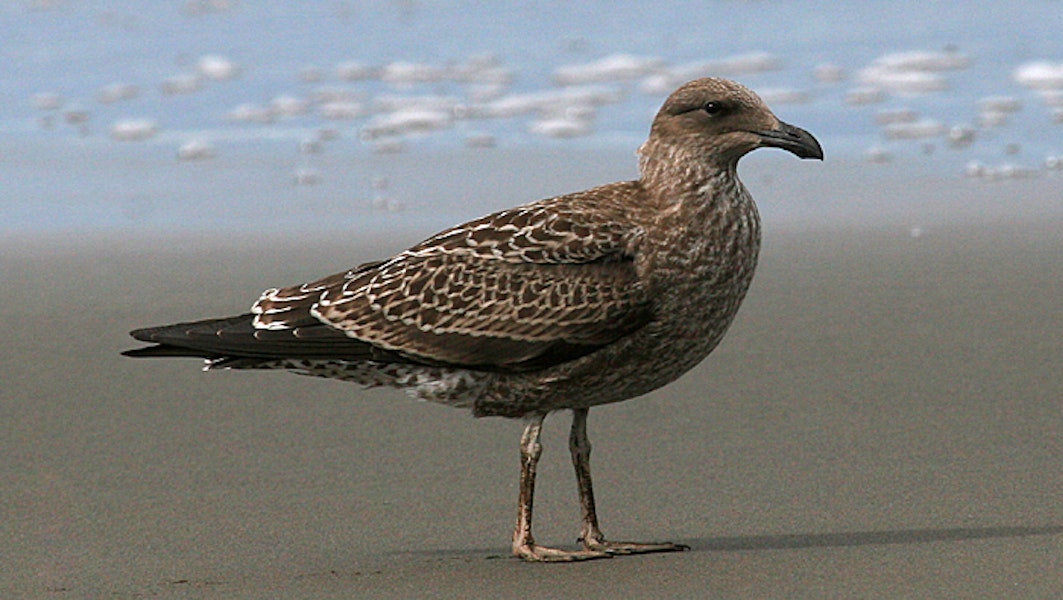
517	290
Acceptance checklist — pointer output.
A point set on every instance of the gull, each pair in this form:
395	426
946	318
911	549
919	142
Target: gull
567	303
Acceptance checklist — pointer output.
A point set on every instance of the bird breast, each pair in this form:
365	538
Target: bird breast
703	254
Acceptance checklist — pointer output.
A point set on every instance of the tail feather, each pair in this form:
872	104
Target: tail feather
164	351
231	338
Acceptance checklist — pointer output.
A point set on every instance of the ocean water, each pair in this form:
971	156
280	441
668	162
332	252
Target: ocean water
234	115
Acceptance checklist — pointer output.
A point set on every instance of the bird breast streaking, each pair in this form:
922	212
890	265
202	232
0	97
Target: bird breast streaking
567	303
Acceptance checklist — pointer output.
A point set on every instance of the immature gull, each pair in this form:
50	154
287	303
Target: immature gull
566	303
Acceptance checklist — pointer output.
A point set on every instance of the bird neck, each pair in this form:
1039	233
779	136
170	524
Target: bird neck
680	181
705	225
702	217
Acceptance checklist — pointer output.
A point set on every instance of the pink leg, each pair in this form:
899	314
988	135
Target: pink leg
524	545
590	534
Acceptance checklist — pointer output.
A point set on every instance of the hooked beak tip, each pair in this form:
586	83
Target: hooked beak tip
794	140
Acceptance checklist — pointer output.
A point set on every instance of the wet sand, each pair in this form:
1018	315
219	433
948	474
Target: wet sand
884	420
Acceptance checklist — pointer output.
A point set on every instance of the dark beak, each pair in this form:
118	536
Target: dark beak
792	139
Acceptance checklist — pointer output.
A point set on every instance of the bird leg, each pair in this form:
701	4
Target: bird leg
524	545
590	535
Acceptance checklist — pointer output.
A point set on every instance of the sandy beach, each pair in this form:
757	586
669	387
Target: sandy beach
884	420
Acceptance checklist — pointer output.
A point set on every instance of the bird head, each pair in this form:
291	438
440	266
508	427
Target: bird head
719	121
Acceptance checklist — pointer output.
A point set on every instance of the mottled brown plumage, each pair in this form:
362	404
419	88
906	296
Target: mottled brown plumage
567	303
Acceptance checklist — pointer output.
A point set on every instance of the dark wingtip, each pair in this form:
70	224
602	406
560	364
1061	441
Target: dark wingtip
141	352
165	351
146	334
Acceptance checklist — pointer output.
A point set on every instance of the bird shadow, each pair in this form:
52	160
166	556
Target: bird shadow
866	538
798	541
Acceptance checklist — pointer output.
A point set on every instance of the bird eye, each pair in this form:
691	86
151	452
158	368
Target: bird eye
712	108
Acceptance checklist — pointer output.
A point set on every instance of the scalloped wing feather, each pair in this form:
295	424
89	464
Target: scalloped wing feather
521	288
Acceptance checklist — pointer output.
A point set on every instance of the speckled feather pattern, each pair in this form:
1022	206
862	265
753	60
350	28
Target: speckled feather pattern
499	291
672	253
678	274
570	302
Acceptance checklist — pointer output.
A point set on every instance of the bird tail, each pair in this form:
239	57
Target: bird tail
166	351
234	342
209	339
